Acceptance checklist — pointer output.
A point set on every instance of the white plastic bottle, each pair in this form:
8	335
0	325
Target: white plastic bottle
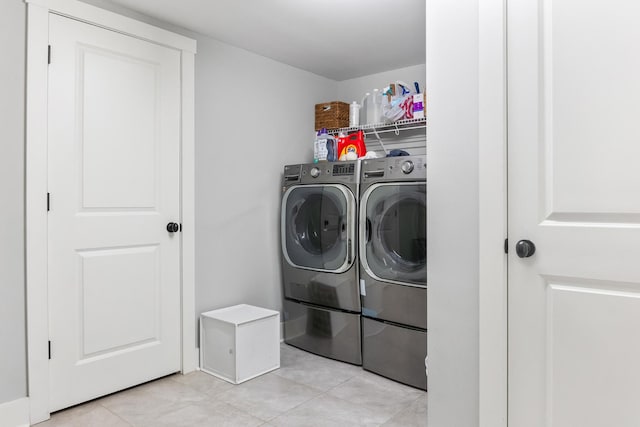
354	114
363	108
377	106
374	107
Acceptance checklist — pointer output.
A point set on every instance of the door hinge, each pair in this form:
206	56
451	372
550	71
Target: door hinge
49	54
48	202
506	246
49	350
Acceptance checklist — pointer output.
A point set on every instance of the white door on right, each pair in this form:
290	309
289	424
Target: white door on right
574	192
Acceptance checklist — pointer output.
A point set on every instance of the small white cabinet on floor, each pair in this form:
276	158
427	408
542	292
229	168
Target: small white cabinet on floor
240	342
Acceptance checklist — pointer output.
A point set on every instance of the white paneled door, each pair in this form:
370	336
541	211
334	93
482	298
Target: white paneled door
114	141
574	191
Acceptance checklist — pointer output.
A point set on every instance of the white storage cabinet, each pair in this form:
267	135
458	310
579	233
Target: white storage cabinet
240	342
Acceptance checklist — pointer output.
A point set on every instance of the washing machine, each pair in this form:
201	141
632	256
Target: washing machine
321	307
393	267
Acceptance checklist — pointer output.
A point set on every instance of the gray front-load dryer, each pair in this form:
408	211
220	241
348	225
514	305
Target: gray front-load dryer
393	267
319	259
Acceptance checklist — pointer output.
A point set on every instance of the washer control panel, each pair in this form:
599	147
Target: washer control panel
343	169
322	173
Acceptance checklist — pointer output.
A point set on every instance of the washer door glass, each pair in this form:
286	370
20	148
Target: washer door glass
318	227
394	232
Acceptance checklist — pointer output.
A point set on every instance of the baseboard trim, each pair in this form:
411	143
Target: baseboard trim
15	413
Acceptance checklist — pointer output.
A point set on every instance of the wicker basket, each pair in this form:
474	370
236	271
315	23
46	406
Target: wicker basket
332	115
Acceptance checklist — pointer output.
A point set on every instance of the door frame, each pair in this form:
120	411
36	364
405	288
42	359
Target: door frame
36	181
486	91
493	337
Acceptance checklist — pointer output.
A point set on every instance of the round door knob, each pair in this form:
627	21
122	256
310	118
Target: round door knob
407	166
172	227
314	172
525	248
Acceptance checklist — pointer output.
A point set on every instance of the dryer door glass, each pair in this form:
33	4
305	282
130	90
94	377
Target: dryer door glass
394	232
317	227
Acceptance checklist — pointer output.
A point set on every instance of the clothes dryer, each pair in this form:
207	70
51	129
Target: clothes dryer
393	267
319	259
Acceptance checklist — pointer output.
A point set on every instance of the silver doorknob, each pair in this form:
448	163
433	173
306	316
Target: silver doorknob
525	248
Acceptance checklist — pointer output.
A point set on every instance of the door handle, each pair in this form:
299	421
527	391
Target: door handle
525	248
172	227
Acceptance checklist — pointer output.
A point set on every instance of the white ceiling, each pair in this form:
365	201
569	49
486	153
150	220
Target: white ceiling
338	39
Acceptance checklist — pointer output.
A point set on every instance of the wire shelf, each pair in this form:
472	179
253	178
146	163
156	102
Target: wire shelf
377	128
410	140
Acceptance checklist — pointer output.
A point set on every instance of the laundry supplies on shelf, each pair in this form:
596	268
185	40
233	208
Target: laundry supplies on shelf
325	147
351	147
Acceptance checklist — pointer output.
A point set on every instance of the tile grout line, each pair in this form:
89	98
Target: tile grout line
216	397
322	391
403	409
330	360
116	415
294	407
241	409
300	404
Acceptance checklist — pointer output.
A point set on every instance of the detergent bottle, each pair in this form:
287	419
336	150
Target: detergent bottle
316	146
332	148
327	147
351	147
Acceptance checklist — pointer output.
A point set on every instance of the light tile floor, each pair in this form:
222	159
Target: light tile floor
307	390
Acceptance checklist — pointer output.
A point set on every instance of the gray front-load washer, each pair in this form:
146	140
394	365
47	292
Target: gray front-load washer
319	259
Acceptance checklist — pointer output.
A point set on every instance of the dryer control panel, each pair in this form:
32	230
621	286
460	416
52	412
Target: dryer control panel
402	168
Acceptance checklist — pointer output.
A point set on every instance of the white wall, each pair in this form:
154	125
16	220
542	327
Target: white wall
452	212
13	374
253	116
354	89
